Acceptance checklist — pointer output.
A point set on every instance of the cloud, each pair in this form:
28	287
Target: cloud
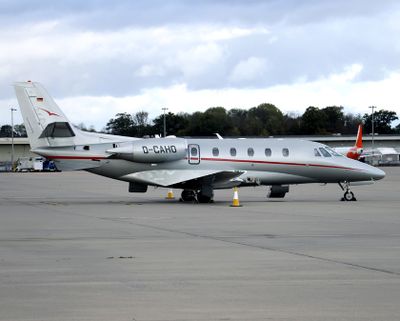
198	60
247	70
185	54
338	89
78	62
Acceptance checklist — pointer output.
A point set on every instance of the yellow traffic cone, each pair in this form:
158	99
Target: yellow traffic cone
170	195
235	201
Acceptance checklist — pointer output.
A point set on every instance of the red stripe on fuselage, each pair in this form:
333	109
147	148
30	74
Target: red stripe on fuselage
272	163
218	160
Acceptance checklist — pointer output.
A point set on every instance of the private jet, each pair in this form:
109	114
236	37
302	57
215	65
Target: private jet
197	166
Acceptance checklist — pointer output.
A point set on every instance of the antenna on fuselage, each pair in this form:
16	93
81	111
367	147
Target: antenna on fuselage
219	136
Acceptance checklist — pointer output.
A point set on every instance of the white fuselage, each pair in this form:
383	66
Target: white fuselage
261	161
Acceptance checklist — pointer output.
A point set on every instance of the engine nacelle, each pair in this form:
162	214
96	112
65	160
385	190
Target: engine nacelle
152	150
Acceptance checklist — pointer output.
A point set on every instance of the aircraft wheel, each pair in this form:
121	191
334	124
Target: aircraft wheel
349	196
201	198
188	196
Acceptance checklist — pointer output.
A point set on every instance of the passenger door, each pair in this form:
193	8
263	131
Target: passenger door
194	154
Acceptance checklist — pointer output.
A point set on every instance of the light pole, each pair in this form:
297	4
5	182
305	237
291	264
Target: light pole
12	136
373	130
165	122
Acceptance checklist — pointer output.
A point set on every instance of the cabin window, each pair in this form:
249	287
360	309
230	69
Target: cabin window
317	153
325	152
268	152
233	151
285	152
86	147
215	151
250	152
193	151
115	145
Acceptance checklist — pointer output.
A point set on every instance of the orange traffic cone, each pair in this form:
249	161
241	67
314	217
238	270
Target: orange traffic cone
170	195
235	201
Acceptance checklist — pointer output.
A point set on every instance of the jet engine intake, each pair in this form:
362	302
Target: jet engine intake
152	150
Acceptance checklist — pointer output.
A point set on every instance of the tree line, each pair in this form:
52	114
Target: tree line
264	120
19	131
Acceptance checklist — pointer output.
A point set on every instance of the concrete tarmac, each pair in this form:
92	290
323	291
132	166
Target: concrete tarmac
75	246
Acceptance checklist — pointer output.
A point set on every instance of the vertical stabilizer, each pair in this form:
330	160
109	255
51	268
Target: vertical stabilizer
45	123
359	137
356	151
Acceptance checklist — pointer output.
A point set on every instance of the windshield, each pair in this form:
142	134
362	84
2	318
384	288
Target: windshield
333	152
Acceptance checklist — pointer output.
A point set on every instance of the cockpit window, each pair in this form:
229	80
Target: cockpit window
324	152
333	152
316	152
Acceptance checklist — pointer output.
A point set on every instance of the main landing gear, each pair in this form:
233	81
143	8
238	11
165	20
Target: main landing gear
199	196
348	195
188	196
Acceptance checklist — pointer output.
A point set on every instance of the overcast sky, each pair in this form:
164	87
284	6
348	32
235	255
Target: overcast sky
98	58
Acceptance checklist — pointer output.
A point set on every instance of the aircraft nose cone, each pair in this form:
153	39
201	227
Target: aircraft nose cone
377	174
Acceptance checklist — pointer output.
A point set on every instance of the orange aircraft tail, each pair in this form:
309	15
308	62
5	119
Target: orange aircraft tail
357	149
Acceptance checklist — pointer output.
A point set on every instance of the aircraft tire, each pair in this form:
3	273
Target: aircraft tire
188	196
204	198
349	196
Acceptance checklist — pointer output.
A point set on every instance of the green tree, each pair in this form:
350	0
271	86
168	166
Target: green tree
351	123
313	121
5	131
265	119
122	124
238	118
20	130
175	124
334	119
382	122
141	125
292	124
397	129
213	120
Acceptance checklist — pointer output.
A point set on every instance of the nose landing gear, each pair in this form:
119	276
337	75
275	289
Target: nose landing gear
348	195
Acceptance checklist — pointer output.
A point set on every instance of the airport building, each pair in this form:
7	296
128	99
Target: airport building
21	148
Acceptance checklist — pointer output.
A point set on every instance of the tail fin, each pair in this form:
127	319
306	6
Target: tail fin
359	137
356	151
45	123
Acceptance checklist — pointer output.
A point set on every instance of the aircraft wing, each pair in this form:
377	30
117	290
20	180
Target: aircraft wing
166	178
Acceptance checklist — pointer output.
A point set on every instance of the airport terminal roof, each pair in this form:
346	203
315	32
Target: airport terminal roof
17	141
